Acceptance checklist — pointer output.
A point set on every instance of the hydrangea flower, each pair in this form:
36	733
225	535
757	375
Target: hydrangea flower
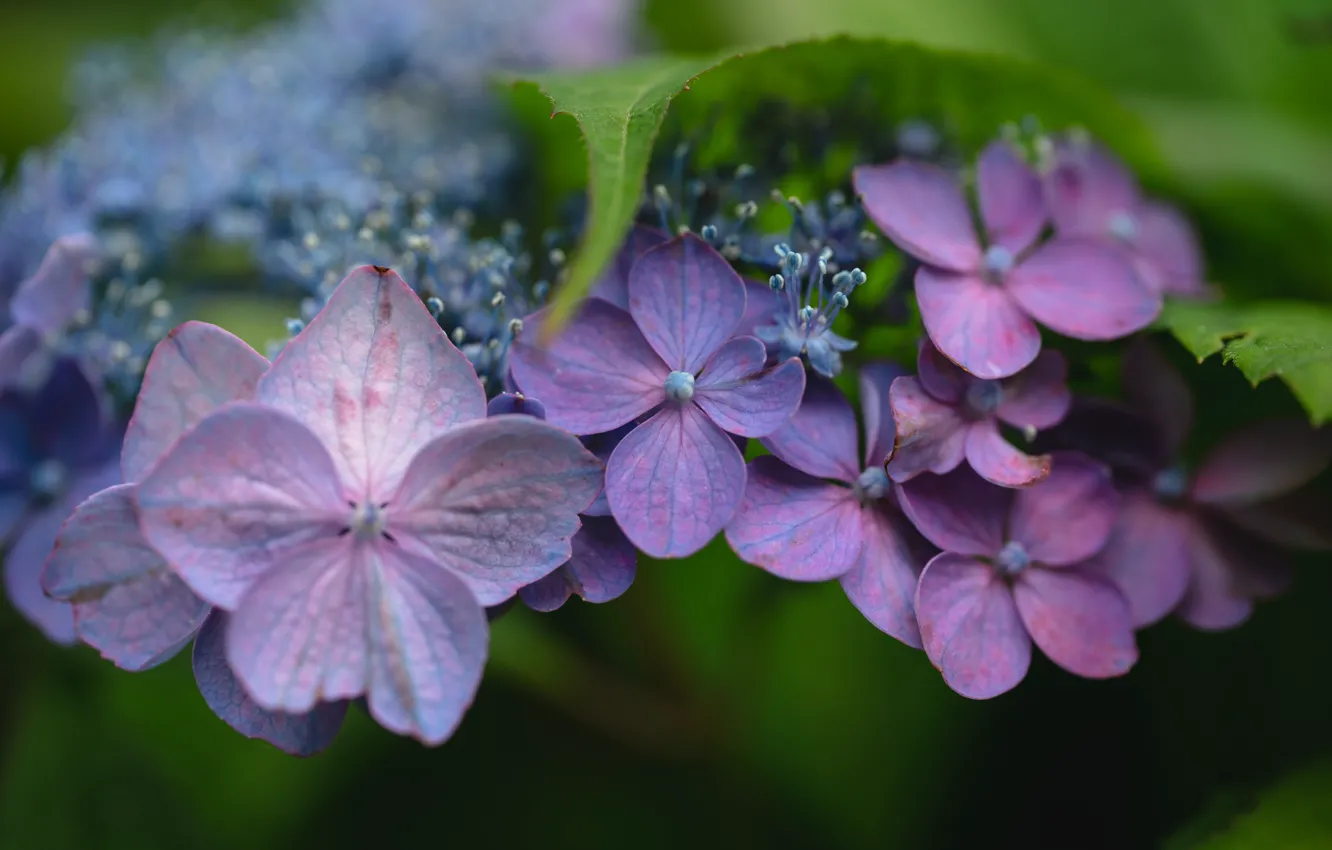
945	416
676	480
604	562
1092	194
980	304
1011	573
48	302
356	519
813	511
801	324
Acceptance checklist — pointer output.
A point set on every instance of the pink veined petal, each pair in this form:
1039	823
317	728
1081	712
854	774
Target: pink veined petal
757	404
128	605
296	734
820	438
739	359
1080	621
1168	248
922	209
1038	396
876	380
687	301
1087	186
969	627
1155	388
957	512
60	289
1010	197
931	436
943	379
1269	459
1228	571
674	482
598	374
795	526
975	324
882	585
1083	289
1147	557
1067	517
195	370
602	568
999	461
245	484
613	285
375	378
496	502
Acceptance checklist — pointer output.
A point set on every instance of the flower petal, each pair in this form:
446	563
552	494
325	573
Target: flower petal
882	585
922	209
794	526
69	417
517	404
876	380
548	594
1067	517
820	437
496	502
957	512
195	370
999	461
969	627
755	404
687	301
1156	389
375	378
1083	289
931	436
613	285
943	379
17	344
1009	194
60	289
674	482
1147	557
1080	621
1269	459
761	306
1038	396
975	324
248	482
1087	186
602	568
1229	570
598	374
1167	247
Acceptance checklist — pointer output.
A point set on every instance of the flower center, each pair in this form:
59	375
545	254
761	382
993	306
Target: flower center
1123	226
48	479
873	483
1169	485
984	397
368	521
680	386
1012	559
998	261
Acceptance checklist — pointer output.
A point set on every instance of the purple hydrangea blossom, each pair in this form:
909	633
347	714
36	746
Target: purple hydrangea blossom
814	512
48	302
1092	194
1012	573
356	519
980	304
945	416
807	305
676	479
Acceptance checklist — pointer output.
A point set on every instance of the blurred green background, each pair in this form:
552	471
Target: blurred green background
713	705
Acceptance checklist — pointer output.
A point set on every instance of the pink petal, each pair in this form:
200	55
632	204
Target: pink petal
128	605
375	378
931	436
969	627
196	369
687	301
61	287
613	285
975	324
876	380
999	461
1087	186
942	378
1080	621
754	405
1067	517
794	526
1147	557
882	585
1155	389
1010	196
1265	460
1038	396
922	209
496	502
598	374
957	512
674	482
247	483
820	438
1168	248
1083	289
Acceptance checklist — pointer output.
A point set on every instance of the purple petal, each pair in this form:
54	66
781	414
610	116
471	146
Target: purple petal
795	526
195	370
820	438
602	568
1228	570
1156	390
970	628
1146	557
60	289
931	436
1265	460
1295	521
999	461
760	305
1087	186
749	404
17	344
128	605
1170	260
941	377
876	380
1038	396
957	512
297	734
548	594
1067	517
975	324
598	374
675	482
882	585
375	378
1083	289
1080	621
1010	197
221	510
515	403
602	446
922	209
496	502
613	285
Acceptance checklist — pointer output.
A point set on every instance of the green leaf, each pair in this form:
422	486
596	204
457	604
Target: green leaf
1286	339
1293	815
